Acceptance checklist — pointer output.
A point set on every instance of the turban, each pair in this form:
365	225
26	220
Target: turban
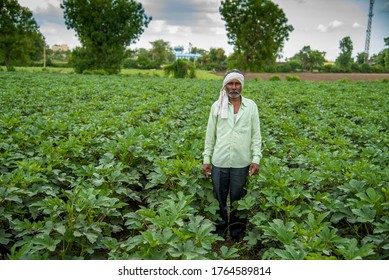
223	97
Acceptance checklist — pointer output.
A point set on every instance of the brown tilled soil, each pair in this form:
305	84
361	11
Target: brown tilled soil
320	76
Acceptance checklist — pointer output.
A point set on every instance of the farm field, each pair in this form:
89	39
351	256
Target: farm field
109	167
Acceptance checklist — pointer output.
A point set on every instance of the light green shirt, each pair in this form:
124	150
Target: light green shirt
233	143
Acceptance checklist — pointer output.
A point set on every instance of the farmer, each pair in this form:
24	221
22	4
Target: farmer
232	151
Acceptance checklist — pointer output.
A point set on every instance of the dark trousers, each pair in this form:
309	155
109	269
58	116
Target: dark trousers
232	181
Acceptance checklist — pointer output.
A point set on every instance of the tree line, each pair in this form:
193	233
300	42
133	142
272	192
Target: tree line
257	29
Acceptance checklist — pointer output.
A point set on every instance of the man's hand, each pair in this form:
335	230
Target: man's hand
207	170
254	169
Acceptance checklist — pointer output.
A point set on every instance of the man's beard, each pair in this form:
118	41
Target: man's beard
233	94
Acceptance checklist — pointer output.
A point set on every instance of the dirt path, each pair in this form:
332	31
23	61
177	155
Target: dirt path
320	76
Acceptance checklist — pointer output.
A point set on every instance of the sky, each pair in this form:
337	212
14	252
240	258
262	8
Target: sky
317	23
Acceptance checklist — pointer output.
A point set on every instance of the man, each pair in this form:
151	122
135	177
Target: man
232	150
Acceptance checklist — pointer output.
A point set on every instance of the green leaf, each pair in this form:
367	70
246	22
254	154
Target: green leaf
229	253
4	237
246	203
370	196
146	212
290	253
282	232
253	237
259	219
350	250
329	235
45	242
92	237
183	235
365	214
21	253
382	227
10	194
186	251
151	238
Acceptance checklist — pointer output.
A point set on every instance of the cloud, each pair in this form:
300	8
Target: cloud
335	24
58	34
38	4
357	25
180	22
385	7
51	13
182	13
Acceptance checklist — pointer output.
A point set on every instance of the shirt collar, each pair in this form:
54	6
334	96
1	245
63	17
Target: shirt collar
244	101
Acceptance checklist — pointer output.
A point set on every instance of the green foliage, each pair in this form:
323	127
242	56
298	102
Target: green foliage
105	167
310	59
292	78
344	60
274	78
161	52
171	231
181	68
104	28
20	39
257	29
382	59
215	60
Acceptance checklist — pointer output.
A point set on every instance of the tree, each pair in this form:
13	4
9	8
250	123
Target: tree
161	52
382	58
139	59
317	59
198	50
181	68
310	59
361	57
344	60
104	28
215	60
217	55
257	29
386	54
303	57
20	38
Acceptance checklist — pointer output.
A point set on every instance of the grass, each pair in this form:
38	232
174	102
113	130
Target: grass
200	74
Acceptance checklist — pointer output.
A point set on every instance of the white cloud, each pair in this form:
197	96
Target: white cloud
330	26
322	28
357	25
218	31
199	22
157	26
179	30
58	34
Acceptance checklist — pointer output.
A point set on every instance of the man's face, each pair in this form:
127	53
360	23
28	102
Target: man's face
234	88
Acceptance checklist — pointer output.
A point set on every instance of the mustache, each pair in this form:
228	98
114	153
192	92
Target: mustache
233	92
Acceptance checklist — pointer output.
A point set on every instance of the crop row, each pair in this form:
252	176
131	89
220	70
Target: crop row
109	167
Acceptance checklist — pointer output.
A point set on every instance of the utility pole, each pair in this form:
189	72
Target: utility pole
44	51
368	31
44	55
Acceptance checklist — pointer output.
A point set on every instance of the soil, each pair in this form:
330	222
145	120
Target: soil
308	76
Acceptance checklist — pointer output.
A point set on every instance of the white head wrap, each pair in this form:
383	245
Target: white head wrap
223	97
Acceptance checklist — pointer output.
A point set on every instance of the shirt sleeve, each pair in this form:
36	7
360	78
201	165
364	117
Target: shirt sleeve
256	137
210	138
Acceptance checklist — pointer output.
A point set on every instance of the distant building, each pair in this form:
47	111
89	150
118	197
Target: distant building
60	48
187	56
179	52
